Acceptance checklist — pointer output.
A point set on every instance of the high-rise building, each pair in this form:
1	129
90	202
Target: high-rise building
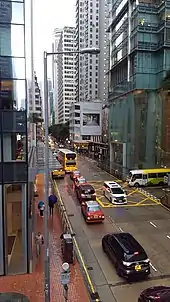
56	38
66	73
15	240
38	100
139	59
91	26
51	113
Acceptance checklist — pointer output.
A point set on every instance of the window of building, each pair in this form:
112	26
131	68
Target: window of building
77	107
77	114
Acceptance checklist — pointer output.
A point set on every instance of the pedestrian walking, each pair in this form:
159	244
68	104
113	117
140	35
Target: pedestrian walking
39	241
52	200
41	207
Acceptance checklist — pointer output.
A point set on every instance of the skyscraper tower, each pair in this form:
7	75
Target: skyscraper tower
91	26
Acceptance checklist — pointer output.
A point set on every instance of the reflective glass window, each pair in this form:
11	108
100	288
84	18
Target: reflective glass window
11	12
12	68
12	94
15	231
12	40
14	148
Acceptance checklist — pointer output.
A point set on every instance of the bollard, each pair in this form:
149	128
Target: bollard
65	279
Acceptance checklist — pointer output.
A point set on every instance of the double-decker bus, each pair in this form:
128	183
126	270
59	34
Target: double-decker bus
68	159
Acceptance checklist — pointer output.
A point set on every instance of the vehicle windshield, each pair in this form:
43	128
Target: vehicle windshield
93	209
76	173
135	257
81	180
71	156
117	191
73	163
130	175
88	191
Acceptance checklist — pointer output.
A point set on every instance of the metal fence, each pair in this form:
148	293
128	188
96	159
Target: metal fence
114	169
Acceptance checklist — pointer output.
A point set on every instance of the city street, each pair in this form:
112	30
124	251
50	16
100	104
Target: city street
145	218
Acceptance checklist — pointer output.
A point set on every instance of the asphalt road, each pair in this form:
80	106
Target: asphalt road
150	225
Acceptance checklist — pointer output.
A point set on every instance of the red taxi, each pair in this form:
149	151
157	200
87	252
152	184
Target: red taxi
75	174
79	181
92	211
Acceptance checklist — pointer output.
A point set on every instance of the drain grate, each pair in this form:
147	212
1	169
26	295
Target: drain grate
90	268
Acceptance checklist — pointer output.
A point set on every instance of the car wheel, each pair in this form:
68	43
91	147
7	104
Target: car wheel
111	200
161	183
118	271
136	185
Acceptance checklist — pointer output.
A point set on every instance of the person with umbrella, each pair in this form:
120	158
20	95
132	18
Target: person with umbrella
52	200
41	207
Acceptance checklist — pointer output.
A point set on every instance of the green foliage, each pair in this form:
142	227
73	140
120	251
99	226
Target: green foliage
166	82
60	131
34	118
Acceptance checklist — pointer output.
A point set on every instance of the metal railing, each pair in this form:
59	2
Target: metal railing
67	228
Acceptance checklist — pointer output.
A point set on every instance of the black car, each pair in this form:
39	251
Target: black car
156	293
127	254
85	192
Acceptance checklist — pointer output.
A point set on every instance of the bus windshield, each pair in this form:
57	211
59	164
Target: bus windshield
71	156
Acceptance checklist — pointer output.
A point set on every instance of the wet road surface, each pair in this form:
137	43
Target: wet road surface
146	219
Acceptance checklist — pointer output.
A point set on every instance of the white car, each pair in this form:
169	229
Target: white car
114	193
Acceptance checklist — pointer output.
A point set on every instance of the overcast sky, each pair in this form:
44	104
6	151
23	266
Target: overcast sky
49	14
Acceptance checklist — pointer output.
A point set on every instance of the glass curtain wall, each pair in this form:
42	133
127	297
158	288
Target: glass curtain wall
13	139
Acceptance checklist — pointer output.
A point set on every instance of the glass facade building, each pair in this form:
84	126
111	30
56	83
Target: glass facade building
14	182
139	60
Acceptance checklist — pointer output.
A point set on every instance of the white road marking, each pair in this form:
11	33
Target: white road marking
121	229
168	236
153	267
154	225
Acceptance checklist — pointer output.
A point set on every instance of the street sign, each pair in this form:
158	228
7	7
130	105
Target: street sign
65	278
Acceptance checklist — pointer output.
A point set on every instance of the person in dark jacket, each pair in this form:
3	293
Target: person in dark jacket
52	200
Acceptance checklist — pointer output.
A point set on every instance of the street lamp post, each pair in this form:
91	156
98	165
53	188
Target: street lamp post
92	51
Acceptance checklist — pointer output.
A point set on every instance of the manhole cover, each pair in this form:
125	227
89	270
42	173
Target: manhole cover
13	297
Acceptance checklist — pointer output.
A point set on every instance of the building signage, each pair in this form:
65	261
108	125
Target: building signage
91	119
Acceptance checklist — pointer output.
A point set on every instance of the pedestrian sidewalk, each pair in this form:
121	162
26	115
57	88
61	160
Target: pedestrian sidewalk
33	285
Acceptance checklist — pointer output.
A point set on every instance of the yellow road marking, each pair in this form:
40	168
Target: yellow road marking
128	205
100	202
77	247
142	201
152	199
132	193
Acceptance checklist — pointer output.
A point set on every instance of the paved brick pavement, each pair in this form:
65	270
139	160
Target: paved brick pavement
32	285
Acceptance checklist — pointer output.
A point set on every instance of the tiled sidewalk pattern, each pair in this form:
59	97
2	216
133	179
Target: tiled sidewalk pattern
33	285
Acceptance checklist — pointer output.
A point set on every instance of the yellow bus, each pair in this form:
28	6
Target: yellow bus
148	177
68	160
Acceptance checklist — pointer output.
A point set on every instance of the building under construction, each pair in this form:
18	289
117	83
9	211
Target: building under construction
139	115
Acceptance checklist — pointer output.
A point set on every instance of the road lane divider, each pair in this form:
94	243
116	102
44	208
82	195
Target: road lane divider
168	236
154	268
68	228
154	225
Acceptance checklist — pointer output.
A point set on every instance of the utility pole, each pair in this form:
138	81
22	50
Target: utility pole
46	170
